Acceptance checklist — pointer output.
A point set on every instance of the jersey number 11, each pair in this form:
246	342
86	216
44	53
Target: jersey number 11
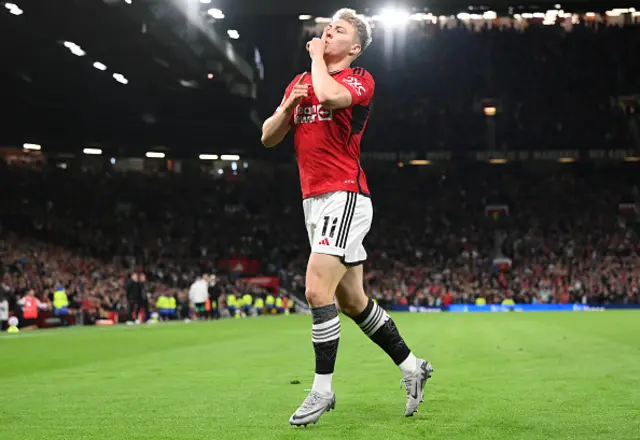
325	226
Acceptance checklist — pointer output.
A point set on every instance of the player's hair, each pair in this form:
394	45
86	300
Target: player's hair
363	28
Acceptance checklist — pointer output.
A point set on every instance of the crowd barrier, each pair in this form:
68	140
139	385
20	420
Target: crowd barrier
498	308
47	319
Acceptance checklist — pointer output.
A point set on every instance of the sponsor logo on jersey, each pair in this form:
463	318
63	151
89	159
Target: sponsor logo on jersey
355	84
312	113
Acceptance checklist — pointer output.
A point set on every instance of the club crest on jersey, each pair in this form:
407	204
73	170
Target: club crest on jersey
312	113
355	85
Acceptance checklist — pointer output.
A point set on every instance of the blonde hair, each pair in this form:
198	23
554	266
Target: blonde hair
359	22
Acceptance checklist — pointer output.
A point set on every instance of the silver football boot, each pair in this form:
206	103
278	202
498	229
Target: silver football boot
312	408
414	385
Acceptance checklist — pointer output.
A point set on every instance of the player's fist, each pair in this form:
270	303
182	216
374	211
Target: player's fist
316	47
299	92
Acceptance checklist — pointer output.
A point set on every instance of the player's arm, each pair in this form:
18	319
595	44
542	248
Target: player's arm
42	305
330	93
333	94
276	127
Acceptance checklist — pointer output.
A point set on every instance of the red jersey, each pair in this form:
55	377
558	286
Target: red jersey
327	142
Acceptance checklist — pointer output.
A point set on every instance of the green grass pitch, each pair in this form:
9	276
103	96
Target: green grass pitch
497	376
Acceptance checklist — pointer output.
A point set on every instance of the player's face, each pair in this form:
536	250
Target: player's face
341	39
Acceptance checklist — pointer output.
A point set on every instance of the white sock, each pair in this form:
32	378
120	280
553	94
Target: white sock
322	383
409	365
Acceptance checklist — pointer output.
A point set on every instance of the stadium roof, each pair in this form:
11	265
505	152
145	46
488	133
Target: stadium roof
121	71
327	7
143	74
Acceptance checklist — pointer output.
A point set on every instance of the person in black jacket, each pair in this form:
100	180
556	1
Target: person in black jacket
134	297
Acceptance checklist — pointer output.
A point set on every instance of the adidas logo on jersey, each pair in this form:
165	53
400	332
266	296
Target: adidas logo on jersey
324	242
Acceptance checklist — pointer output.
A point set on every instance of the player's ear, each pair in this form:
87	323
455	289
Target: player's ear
356	49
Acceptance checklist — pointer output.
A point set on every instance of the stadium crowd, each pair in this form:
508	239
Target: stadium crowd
569	233
556	233
98	291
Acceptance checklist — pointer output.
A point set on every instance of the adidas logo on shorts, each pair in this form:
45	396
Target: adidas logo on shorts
324	242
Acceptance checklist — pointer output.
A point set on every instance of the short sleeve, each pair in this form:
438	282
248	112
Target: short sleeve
360	84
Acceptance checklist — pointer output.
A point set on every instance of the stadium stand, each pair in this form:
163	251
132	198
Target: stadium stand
566	235
502	157
451	93
124	74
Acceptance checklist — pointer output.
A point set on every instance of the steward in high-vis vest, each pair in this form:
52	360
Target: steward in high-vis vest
166	306
508	302
258	305
480	301
289	305
60	302
279	305
247	301
232	305
270	301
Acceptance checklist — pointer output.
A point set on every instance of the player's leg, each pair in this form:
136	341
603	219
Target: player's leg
327	217
323	275
324	272
381	329
371	318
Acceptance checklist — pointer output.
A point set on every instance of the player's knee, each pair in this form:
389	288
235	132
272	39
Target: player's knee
324	272
318	297
350	292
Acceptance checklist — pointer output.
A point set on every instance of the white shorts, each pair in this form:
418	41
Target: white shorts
337	223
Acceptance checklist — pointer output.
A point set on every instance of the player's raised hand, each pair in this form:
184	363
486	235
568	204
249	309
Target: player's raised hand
316	47
299	92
